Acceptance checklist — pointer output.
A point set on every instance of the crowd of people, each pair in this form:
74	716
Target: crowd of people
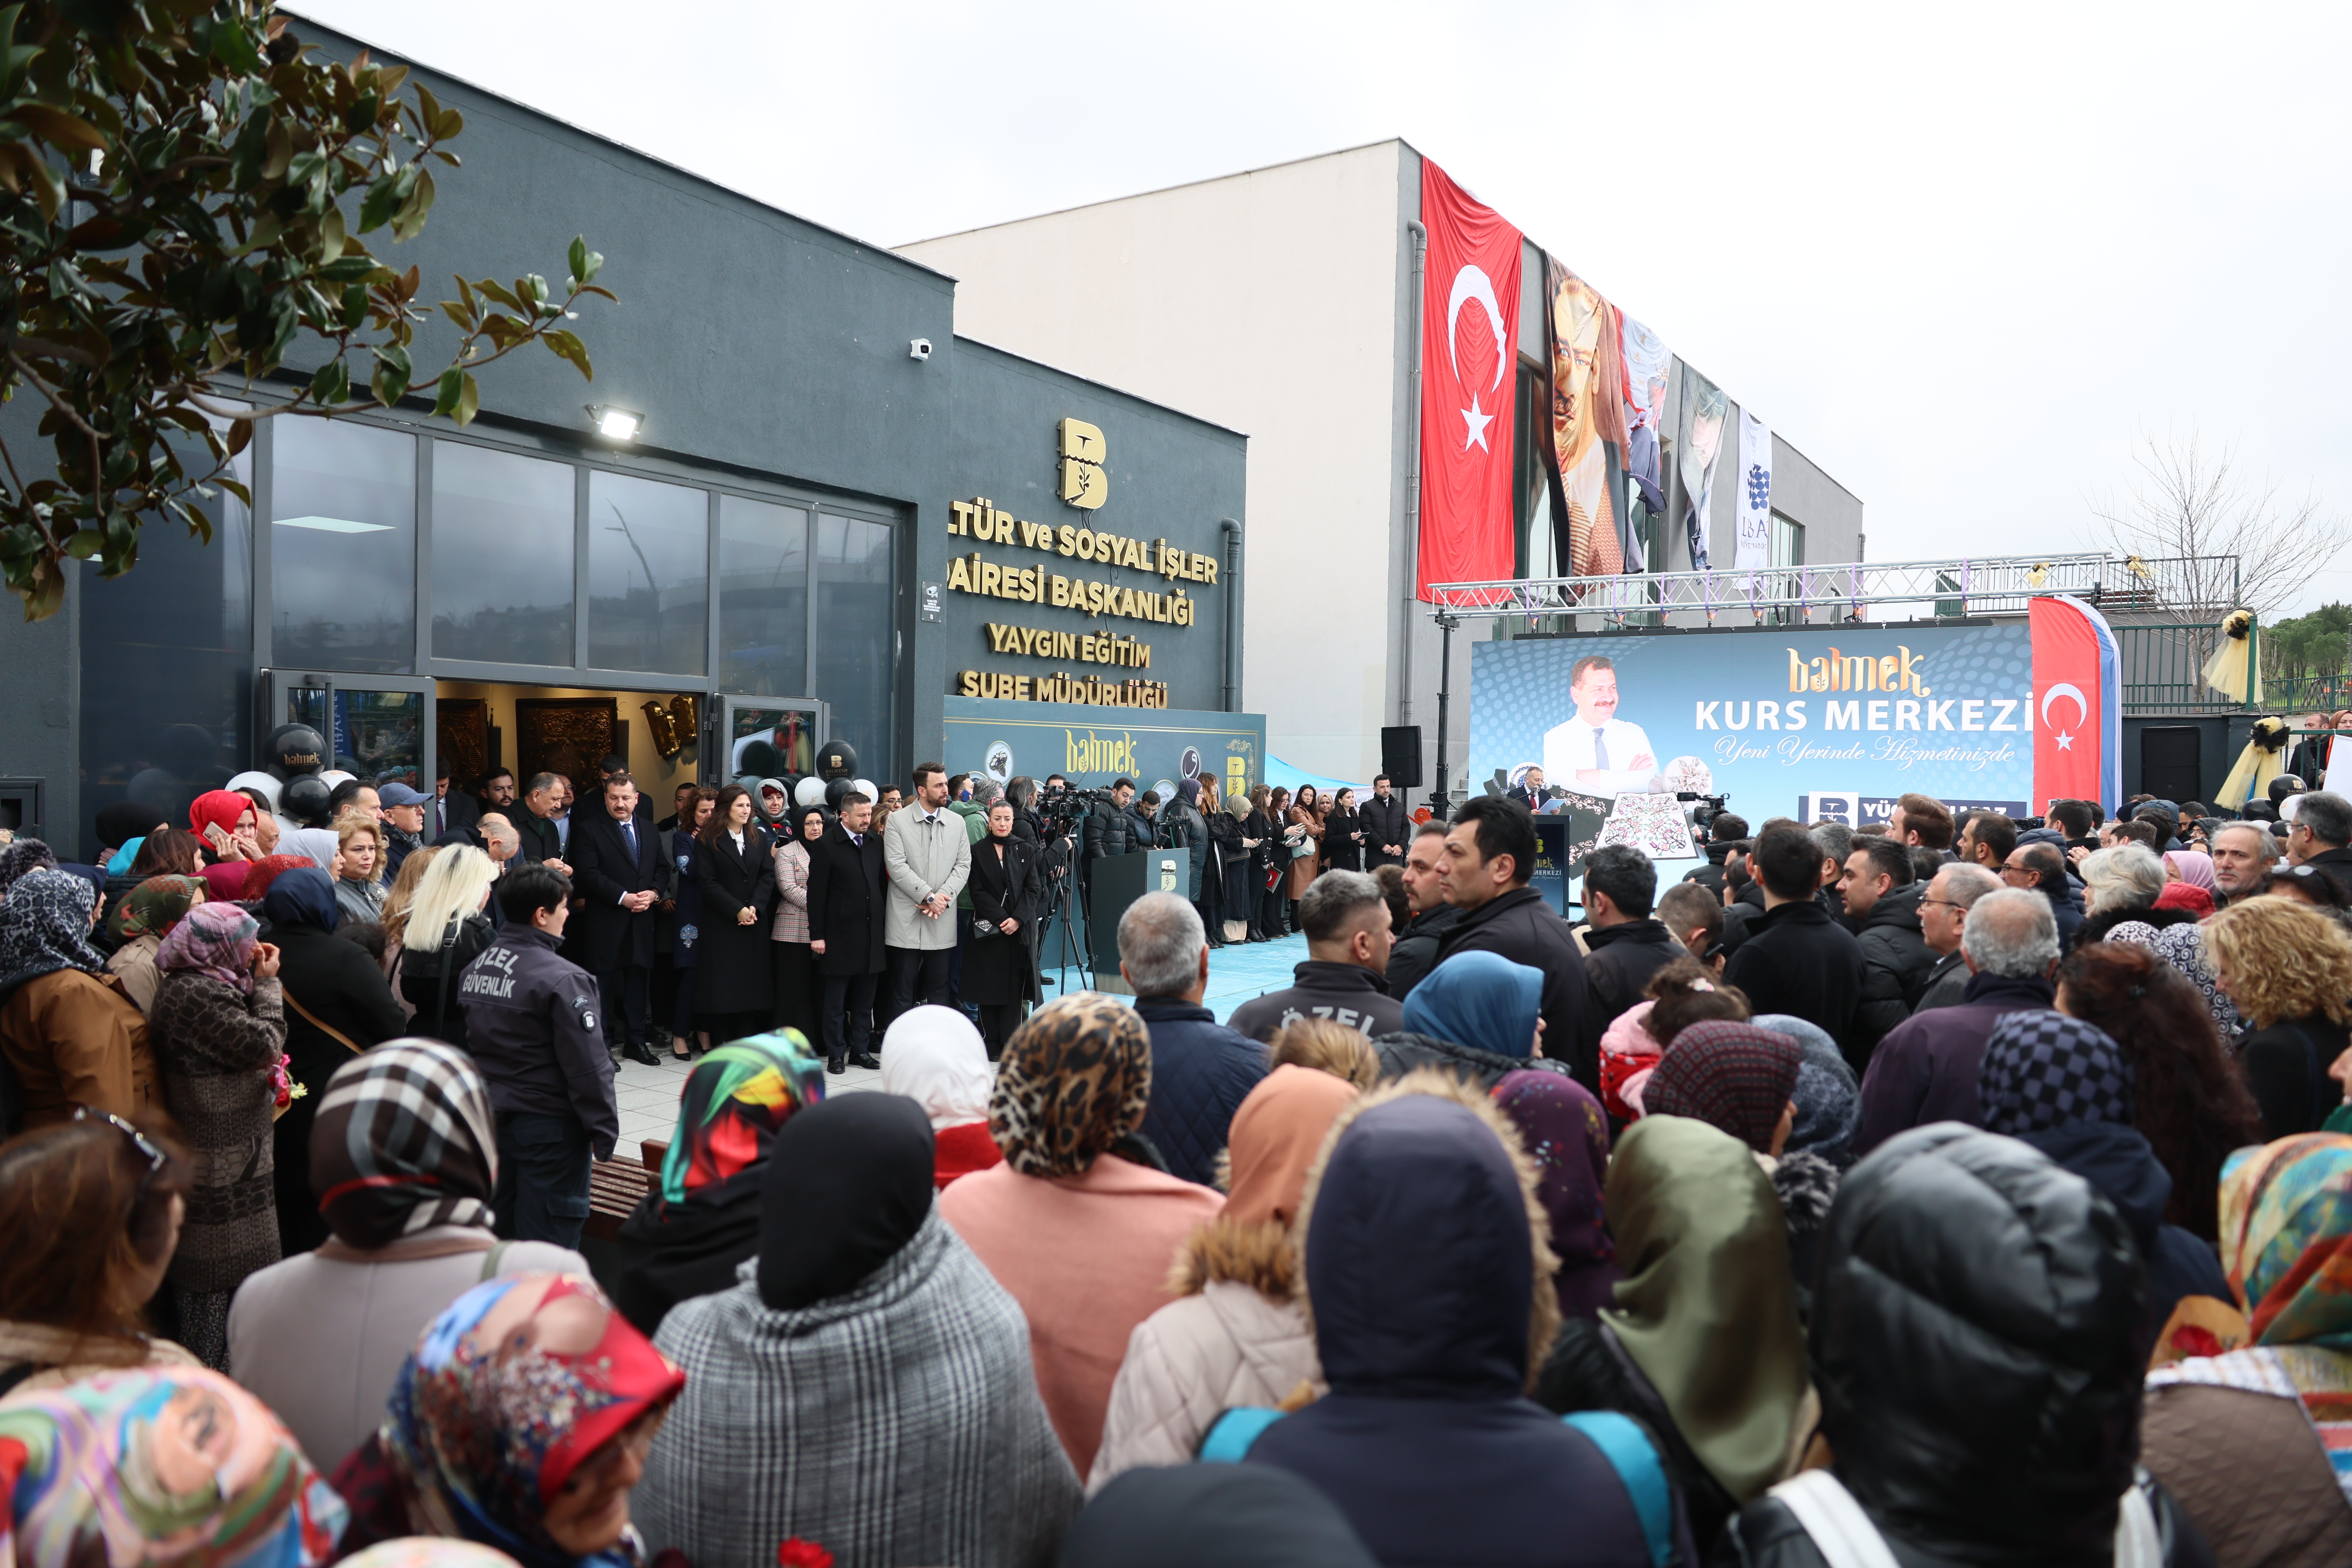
1958	1190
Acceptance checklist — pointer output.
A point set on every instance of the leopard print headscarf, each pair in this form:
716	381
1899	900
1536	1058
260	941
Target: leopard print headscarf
1075	1080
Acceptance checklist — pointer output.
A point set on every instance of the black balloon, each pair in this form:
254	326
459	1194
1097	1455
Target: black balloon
293	751
306	799
836	760
760	760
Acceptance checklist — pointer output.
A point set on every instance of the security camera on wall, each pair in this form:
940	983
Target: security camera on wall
919	349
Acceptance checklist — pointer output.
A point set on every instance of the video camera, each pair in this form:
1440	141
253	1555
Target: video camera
1061	809
1708	808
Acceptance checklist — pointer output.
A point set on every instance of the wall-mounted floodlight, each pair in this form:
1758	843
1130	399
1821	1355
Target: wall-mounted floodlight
618	424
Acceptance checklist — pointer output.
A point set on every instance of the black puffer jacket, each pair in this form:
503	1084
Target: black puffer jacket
1974	1344
1897	961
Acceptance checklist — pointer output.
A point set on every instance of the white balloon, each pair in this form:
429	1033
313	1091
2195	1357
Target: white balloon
809	792
866	787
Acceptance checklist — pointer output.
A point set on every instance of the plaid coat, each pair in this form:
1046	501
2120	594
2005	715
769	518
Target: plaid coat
897	1424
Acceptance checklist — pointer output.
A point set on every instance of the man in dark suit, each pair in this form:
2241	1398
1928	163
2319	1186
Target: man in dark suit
618	869
1387	825
448	811
1529	791
845	913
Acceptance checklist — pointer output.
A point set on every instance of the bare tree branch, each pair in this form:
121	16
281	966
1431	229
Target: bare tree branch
2193	506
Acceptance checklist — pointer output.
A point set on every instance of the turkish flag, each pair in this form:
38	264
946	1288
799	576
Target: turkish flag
1469	386
2077	704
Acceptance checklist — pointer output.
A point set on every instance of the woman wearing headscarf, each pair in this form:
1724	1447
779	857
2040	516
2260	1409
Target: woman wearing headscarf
1237	1334
866	1386
226	822
1239	842
69	1033
337	1006
2064	1086
262	873
2288	968
2193	866
404	1150
157	1464
140	923
90	1214
519	1421
1235	1516
1000	971
702	1218
935	1058
796	980
1431	1288
1827	1098
1565	1133
1704	1346
1976	1336
1477	1014
2256	1441
2190	1096
20	857
220	1031
1080	1220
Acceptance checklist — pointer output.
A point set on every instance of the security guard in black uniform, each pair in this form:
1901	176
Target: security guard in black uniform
531	1027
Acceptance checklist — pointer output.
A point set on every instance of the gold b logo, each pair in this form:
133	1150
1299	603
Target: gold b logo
1084	483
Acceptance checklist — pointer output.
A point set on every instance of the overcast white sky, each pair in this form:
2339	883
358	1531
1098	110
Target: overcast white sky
1961	257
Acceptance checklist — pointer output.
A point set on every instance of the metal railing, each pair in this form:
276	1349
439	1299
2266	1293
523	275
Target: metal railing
1983	586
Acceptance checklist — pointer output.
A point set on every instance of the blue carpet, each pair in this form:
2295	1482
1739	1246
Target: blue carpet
1237	973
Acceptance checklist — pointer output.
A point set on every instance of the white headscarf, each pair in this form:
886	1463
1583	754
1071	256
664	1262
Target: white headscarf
934	1057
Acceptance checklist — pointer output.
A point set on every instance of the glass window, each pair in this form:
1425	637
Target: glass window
855	646
502	539
648	571
342	547
763	597
167	665
1788	542
380	735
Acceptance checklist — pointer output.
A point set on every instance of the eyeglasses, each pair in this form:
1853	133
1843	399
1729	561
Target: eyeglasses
1941	903
2020	870
139	1141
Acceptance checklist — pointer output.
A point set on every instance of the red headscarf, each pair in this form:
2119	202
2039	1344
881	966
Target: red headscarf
266	870
2186	895
221	806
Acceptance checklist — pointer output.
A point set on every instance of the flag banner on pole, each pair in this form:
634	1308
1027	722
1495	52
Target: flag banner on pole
1469	386
1587	411
1646	364
1755	546
2077	704
1703	410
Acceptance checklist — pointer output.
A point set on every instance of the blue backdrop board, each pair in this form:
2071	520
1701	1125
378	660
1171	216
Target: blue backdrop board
1816	724
1093	746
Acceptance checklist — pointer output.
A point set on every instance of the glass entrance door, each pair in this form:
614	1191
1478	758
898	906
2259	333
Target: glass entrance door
769	736
377	727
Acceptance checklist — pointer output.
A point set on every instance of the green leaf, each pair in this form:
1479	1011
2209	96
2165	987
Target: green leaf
57	128
447	391
585	264
279	143
348	269
428	107
85	543
567	345
392	374
448	125
386	196
469	401
457	312
355	306
331	384
410	220
489	285
233	46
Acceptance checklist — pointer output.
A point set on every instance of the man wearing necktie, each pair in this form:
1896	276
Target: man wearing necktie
1596	752
620	871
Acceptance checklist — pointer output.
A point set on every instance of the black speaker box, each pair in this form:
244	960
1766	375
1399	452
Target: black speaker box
1401	754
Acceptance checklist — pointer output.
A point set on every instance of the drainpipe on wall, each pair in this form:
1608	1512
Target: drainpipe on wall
1233	529
1412	483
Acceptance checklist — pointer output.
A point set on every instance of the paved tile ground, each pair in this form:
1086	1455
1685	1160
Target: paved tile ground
648	1096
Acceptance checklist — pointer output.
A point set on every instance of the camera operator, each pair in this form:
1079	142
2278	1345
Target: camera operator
1110	826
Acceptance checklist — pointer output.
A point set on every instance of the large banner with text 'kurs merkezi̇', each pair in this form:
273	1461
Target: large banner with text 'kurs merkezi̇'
1820	725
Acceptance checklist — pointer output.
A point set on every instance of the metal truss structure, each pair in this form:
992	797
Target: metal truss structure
1981	585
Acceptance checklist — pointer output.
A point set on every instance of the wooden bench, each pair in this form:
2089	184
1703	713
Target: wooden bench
615	1187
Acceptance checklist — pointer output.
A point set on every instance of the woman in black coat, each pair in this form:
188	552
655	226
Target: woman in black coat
338	1004
1242	876
1000	971
1344	834
1263	906
734	974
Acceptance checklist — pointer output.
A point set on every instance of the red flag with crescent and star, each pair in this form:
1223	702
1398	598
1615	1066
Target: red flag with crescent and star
2070	698
1469	386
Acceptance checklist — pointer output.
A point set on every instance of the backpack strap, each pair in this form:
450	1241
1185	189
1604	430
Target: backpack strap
1233	1433
1840	1531
1629	1453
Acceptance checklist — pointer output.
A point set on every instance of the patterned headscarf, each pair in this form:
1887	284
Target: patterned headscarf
159	1464
405	1140
1827	1099
268	870
1735	1077
21	857
736	1099
1566	1134
485	1423
216	941
1075	1080
2183	947
2043	1069
155	907
2286	1240
45	927
428	1551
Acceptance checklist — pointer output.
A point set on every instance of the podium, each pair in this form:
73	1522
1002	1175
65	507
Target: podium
1117	881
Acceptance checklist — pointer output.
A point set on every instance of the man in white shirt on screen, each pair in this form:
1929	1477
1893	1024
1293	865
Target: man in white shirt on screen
1596	750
